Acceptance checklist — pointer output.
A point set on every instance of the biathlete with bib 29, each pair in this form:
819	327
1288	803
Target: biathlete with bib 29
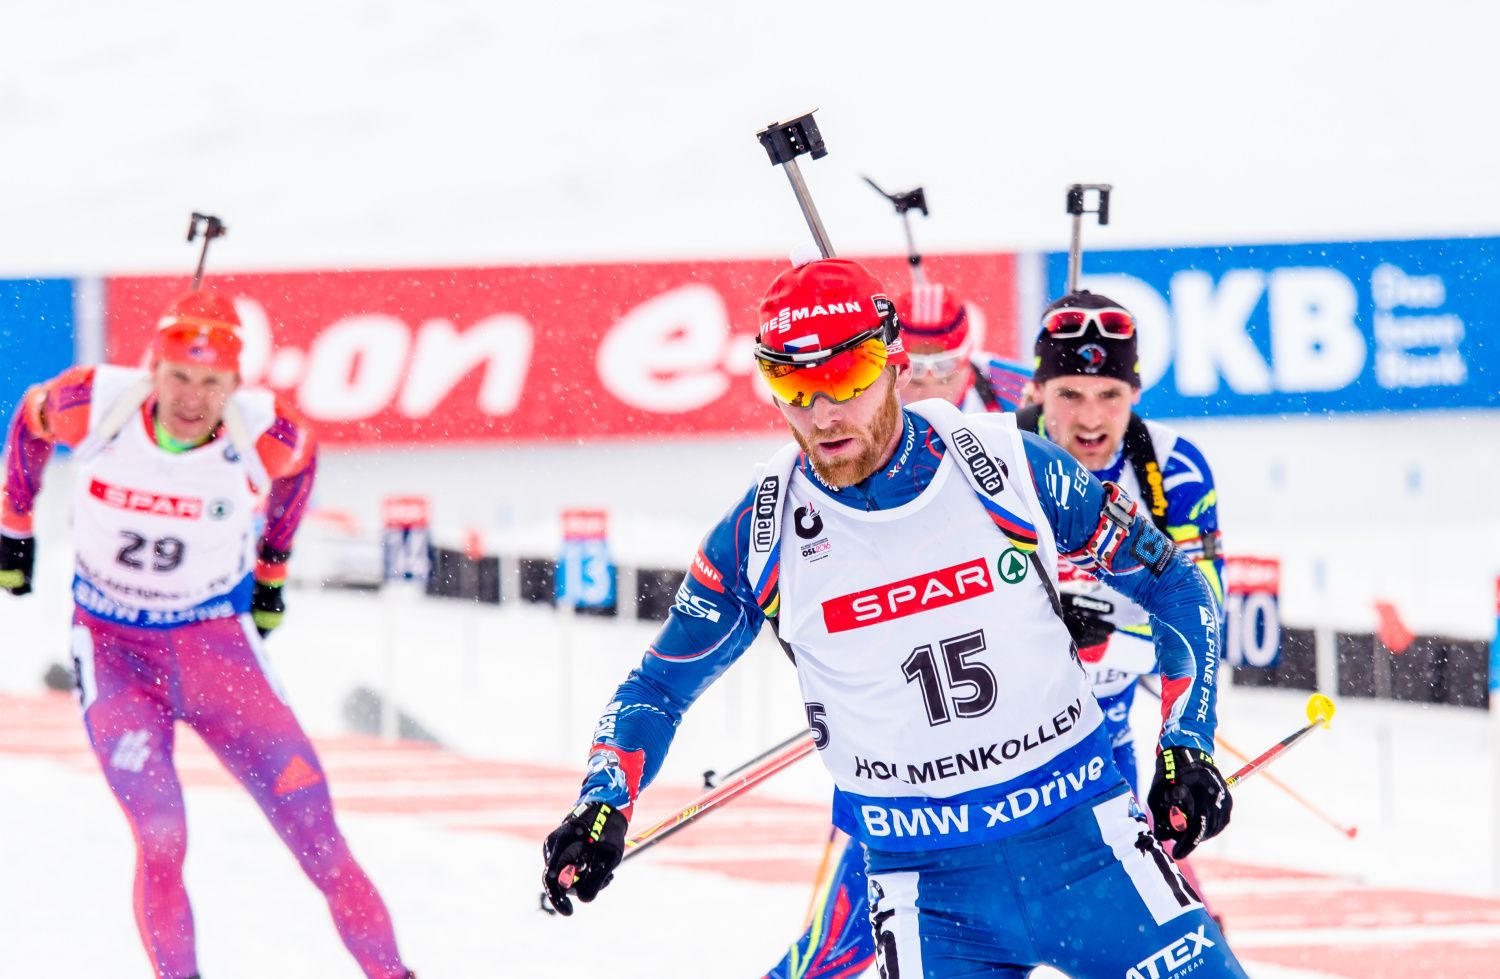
188	490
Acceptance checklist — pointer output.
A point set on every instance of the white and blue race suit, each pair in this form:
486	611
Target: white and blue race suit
920	608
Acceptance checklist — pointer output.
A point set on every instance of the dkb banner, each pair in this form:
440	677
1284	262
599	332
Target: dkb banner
1274	329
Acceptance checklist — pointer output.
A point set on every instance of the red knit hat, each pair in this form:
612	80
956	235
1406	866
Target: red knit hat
823	303
199	328
932	319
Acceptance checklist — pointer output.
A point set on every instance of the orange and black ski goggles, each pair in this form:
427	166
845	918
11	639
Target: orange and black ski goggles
839	373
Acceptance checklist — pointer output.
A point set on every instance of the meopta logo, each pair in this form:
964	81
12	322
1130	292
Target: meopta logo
920	593
763	530
144	501
783	321
1173	957
986	471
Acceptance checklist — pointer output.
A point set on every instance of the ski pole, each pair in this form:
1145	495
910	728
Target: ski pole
712	778
731	788
212	228
1077	210
812	900
736	783
784	142
1319	713
1297	797
905	202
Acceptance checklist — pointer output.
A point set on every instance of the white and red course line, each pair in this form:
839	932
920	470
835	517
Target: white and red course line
1313	922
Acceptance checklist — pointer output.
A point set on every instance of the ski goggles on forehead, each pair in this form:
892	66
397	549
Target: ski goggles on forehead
1112	322
840	372
937	366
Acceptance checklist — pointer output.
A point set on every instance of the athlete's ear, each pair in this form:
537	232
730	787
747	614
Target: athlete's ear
903	376
1135	396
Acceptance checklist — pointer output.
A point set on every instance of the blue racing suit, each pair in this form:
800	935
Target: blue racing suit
716	616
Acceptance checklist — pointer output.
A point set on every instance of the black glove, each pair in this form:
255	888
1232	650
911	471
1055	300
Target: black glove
266	607
1084	615
1189	801
582	853
17	562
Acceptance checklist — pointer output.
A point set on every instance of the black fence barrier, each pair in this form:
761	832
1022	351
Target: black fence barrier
1434	670
538	580
1295	669
655	590
454	575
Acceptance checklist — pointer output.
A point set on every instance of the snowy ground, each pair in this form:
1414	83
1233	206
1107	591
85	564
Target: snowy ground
451	835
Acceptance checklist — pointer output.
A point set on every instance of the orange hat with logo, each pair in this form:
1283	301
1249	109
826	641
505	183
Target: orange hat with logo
199	328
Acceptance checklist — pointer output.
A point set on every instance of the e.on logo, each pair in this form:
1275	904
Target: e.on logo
361	366
920	593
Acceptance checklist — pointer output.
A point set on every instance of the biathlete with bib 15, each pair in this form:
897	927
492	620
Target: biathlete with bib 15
907	558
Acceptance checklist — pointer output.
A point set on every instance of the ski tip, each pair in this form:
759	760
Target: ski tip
1352	832
1320	709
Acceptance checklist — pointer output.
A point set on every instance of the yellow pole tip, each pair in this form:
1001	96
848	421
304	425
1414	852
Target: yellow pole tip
1320	709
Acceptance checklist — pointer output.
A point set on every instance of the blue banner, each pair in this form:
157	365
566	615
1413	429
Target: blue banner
1300	329
36	335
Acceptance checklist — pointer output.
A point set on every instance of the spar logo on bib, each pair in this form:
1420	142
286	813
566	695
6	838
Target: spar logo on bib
920	593
144	501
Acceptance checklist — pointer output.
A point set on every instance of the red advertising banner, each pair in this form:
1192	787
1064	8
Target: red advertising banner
1250	574
521	352
585	524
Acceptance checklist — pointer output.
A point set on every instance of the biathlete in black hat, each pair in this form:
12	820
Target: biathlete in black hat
1085	385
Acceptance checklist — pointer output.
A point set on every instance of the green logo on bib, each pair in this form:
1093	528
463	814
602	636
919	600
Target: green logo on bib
1012	566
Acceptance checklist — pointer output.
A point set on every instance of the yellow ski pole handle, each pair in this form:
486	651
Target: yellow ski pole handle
1222	742
1307	804
1320	710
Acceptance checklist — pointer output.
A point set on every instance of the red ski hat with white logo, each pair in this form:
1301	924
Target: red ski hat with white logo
821	304
200	328
932	319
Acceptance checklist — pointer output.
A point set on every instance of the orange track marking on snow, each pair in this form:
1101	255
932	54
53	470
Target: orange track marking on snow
1325	925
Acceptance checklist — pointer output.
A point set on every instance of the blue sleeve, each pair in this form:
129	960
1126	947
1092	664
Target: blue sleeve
713	620
1193	512
1098	529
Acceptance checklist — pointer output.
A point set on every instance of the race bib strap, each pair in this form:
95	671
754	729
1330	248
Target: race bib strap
763	561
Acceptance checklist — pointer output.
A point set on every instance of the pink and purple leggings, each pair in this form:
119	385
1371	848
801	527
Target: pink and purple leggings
136	684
